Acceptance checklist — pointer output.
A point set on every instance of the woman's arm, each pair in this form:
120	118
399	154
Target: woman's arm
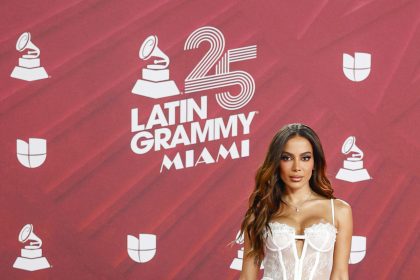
344	220
249	267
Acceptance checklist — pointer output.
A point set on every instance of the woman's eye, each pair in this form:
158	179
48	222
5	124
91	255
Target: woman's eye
288	158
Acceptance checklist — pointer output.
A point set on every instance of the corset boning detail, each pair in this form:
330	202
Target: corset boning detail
282	261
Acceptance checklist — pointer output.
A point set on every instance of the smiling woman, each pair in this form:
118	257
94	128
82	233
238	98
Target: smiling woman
294	223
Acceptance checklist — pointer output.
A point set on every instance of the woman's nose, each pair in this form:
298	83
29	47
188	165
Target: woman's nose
296	165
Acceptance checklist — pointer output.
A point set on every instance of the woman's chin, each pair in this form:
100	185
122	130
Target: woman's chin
298	184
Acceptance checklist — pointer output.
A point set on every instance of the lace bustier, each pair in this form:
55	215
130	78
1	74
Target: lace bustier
281	260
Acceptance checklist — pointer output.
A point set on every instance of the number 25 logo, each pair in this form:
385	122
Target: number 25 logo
199	79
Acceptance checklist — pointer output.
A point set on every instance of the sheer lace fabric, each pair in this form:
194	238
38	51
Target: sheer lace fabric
282	262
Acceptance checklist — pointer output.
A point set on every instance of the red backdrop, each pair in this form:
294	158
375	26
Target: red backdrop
93	190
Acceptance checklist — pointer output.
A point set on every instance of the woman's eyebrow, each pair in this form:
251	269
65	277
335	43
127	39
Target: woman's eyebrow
300	154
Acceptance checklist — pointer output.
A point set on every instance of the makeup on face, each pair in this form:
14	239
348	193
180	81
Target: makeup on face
296	161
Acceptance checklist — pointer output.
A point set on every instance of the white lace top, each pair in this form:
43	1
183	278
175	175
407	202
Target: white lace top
282	262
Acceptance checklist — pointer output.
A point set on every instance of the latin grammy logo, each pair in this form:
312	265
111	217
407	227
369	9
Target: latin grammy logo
29	68
155	81
356	68
142	249
352	170
31	258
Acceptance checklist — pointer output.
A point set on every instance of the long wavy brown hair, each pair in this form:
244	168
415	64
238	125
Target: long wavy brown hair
266	198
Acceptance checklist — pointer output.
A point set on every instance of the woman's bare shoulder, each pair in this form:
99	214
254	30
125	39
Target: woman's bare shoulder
341	204
343	212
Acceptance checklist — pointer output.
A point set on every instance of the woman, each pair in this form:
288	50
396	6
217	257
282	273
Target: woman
294	223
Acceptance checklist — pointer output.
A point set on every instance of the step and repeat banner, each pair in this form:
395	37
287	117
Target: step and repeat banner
131	131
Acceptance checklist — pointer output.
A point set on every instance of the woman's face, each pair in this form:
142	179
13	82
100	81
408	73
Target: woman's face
297	160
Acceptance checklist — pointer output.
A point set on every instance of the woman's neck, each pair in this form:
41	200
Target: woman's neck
297	196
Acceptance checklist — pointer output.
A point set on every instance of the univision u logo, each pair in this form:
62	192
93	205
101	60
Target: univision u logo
141	249
33	153
357	68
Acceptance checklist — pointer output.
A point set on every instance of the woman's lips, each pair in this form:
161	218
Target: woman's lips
296	178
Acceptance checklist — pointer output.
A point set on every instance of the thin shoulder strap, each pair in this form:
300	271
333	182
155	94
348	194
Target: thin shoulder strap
332	209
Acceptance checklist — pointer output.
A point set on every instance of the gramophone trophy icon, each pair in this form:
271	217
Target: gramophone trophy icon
29	68
237	262
352	170
155	81
31	258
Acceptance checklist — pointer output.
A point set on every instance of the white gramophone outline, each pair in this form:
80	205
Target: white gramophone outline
31	258
155	82
357	68
352	170
237	261
29	68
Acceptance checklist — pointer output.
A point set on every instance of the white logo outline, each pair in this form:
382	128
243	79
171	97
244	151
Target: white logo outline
31	154
29	68
31	258
141	249
357	68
